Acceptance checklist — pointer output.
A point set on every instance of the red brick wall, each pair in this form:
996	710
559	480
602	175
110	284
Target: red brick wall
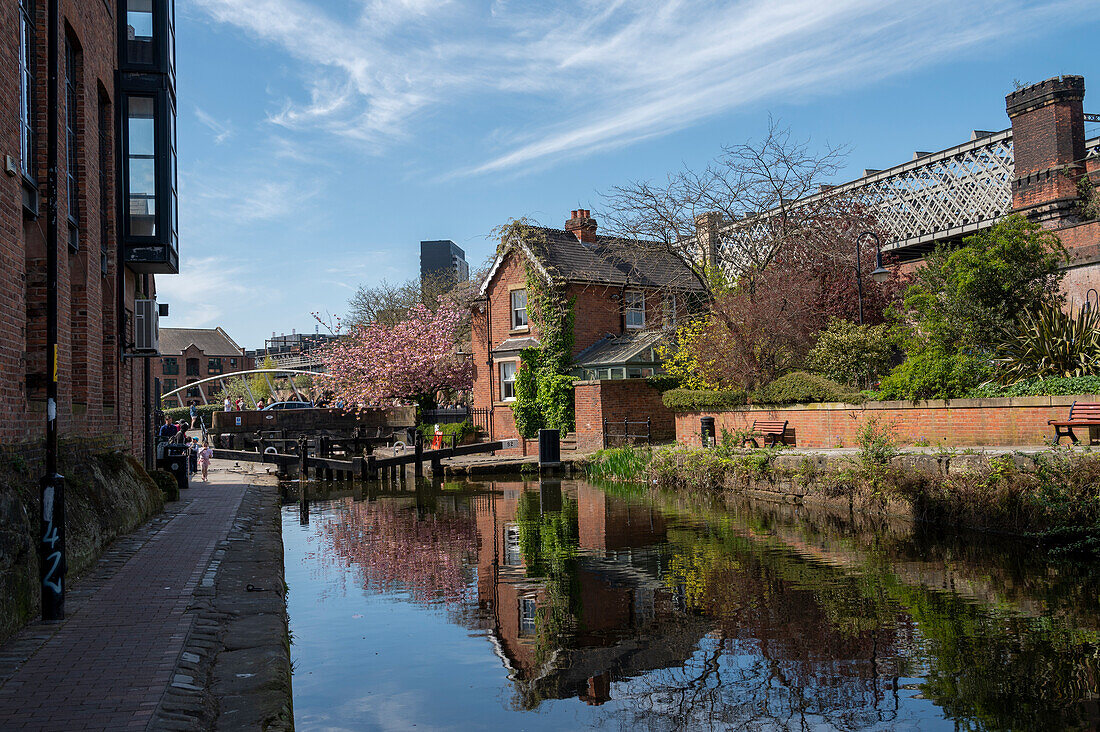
98	392
958	422
616	400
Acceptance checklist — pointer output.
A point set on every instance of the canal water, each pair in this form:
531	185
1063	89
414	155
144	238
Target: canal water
565	605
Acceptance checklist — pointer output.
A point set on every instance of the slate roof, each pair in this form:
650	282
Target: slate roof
612	350
609	260
515	345
211	341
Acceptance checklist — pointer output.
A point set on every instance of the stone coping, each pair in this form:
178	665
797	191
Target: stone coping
1000	402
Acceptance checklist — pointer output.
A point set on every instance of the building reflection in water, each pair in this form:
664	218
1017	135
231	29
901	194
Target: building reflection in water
693	622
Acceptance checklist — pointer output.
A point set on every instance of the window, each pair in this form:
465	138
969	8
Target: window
519	309
635	310
104	178
26	87
141	153
193	391
192	367
232	362
513	556
72	172
214	366
139	32
528	610
507	381
170	365
169	385
668	309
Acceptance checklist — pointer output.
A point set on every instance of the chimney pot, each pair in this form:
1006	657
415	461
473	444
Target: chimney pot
582	226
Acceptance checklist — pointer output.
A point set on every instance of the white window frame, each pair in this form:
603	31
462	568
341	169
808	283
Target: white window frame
500	367
515	311
634	304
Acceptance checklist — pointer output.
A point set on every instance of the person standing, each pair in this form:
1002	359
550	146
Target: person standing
167	430
194	412
205	453
228	405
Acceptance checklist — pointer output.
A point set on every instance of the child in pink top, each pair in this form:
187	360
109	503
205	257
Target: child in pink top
204	458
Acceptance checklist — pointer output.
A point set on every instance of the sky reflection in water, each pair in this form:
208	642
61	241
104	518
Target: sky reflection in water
567	605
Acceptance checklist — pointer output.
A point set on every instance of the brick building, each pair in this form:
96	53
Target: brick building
188	355
625	296
106	260
1052	160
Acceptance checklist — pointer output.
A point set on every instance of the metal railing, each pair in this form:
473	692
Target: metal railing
625	437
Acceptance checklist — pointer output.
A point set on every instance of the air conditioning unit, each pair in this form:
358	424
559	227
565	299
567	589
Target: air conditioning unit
146	326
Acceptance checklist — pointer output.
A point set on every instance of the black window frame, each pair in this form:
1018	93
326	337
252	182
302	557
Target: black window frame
103	113
198	367
214	365
170	365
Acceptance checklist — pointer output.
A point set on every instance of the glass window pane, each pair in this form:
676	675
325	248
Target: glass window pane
139	31
141	166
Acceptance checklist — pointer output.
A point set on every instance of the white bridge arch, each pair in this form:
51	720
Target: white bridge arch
268	374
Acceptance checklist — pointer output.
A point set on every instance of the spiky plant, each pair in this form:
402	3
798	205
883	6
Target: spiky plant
1051	343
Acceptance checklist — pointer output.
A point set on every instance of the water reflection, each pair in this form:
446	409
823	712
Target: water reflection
651	611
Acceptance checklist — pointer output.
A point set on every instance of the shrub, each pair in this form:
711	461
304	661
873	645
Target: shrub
800	387
206	411
664	382
525	410
852	354
555	400
934	374
1038	387
1050	342
458	429
692	400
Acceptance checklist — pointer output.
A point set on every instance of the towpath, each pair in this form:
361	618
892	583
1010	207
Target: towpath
111	662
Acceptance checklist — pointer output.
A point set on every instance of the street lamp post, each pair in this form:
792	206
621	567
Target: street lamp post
880	273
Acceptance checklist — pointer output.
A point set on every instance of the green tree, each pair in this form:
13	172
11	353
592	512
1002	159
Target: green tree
969	297
963	302
852	354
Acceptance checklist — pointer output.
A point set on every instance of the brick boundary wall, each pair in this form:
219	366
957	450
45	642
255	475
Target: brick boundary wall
615	400
955	422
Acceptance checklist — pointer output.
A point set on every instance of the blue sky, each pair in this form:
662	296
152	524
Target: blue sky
321	140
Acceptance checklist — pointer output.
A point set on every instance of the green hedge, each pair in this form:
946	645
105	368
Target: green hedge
1038	387
663	382
206	411
695	400
800	387
459	429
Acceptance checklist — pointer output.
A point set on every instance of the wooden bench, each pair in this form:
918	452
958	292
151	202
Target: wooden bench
771	430
1081	414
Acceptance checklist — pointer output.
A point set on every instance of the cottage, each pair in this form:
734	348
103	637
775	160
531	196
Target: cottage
625	296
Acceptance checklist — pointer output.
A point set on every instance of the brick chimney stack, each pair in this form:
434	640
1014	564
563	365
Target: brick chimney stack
1048	140
582	225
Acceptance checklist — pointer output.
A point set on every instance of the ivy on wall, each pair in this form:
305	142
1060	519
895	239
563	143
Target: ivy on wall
544	388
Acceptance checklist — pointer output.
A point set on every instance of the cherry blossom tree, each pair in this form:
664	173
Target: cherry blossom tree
415	359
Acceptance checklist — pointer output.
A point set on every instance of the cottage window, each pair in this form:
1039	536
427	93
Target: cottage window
170	366
508	381
26	87
214	366
519	309
635	309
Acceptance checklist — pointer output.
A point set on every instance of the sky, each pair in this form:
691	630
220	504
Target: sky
321	140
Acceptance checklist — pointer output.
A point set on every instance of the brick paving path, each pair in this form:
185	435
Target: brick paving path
108	665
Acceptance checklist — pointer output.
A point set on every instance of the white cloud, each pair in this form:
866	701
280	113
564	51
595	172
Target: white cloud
579	76
198	294
222	130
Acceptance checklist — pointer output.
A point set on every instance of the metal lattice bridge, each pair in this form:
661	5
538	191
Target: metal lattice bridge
933	198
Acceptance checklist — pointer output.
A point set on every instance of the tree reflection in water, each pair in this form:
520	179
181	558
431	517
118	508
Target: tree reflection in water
405	546
729	620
